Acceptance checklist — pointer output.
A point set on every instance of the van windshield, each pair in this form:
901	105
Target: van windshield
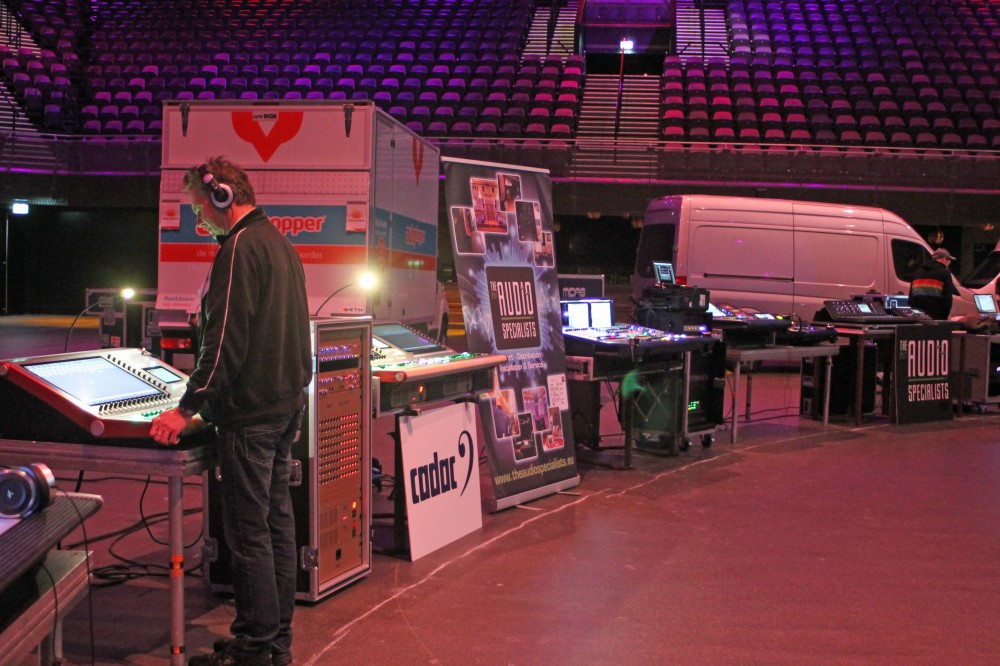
906	258
984	272
655	244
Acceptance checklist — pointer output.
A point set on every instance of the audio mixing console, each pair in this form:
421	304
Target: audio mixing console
107	395
409	368
611	351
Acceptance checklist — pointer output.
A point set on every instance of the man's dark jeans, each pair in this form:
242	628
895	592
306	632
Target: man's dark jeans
259	525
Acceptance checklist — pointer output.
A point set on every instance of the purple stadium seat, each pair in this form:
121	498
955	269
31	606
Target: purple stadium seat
486	129
951	140
723	134
850	137
775	135
673	133
799	136
436	128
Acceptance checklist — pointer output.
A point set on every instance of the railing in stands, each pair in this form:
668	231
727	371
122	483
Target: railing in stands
890	169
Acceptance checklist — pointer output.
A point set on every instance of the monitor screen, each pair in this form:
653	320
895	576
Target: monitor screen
398	335
601	314
985	303
864	308
898	301
164	375
92	381
577	314
664	272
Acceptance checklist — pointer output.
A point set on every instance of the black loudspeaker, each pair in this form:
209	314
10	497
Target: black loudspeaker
220	194
25	490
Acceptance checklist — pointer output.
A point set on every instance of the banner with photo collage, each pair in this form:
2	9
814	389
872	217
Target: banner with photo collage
500	219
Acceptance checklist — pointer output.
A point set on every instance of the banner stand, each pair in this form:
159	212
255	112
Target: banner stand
500	219
493	504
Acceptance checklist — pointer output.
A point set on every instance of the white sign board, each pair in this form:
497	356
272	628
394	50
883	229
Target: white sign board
440	476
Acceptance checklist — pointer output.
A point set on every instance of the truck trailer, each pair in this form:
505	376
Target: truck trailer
352	188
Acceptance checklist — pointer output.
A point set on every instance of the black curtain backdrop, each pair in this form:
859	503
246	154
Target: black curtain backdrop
56	254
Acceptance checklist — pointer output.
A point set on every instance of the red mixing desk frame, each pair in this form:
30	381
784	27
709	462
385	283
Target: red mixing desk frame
172	462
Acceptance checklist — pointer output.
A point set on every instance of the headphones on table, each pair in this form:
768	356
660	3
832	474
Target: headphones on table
25	490
220	193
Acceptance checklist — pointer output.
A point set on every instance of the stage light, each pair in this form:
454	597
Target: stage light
626	45
366	282
19	208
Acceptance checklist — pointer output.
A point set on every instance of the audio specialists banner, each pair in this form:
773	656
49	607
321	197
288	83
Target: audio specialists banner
923	355
500	218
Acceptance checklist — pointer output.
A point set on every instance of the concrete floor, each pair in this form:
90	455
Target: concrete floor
799	544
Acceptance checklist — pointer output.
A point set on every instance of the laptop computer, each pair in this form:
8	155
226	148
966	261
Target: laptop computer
664	272
987	306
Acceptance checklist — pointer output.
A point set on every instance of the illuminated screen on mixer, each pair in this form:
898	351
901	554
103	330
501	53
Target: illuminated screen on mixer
163	374
402	337
601	314
92	381
715	312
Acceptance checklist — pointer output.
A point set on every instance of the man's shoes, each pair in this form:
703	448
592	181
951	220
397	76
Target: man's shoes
223	656
277	658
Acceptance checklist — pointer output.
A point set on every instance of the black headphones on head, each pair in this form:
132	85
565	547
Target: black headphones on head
25	490
220	193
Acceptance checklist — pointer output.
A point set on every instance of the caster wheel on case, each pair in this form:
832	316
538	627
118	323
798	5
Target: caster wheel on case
707	441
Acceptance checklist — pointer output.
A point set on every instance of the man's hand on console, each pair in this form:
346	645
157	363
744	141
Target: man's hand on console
168	426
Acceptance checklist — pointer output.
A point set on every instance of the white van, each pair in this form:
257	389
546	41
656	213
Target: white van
780	256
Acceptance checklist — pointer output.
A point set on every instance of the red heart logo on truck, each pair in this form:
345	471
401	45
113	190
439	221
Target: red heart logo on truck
286	126
418	158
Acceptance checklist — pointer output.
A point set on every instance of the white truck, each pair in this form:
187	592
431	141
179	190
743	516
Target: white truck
781	256
351	188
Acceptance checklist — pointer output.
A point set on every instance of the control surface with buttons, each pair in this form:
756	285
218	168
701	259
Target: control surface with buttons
107	394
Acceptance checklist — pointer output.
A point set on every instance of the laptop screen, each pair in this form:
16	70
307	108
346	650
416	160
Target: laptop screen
601	314
985	303
664	272
576	314
588	313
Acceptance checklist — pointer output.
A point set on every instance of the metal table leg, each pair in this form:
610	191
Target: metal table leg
735	397
176	526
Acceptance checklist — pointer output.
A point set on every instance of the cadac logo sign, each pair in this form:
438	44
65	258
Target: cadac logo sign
284	127
441	475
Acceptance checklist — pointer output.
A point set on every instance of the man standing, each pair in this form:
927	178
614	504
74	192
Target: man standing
933	286
253	364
